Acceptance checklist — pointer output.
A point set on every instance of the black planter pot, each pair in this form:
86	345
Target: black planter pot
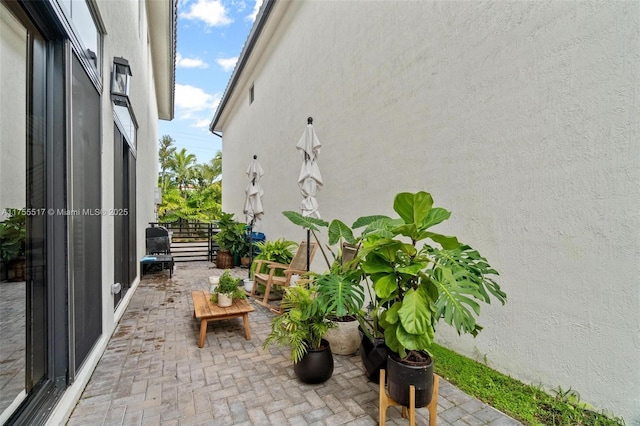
400	376
374	356
316	366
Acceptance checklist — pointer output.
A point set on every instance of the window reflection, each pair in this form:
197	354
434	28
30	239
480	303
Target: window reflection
85	28
13	107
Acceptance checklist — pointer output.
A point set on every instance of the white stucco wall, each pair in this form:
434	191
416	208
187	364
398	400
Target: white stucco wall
522	118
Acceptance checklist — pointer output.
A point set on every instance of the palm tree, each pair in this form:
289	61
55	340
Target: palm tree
212	171
181	164
165	152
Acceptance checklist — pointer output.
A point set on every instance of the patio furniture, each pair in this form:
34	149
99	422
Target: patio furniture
205	311
386	402
165	261
298	266
158	246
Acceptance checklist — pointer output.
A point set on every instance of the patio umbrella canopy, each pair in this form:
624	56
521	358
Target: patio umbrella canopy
253	208
310	179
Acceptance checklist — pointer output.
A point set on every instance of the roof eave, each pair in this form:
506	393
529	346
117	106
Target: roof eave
162	18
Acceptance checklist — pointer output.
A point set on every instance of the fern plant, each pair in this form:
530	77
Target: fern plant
420	277
302	324
279	250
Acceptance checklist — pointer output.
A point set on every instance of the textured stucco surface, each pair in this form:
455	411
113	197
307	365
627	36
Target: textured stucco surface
521	118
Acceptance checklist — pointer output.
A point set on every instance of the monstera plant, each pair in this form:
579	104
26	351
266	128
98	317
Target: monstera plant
419	278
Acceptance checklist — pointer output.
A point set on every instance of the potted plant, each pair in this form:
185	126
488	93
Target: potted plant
420	277
227	290
301	327
340	292
229	238
279	251
13	245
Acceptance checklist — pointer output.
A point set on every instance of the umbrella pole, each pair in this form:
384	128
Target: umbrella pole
250	246
308	247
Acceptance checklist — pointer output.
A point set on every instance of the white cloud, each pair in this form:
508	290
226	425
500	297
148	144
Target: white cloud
256	9
194	104
227	64
211	12
182	62
204	123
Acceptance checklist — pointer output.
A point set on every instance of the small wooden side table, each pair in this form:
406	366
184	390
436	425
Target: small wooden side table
206	311
386	402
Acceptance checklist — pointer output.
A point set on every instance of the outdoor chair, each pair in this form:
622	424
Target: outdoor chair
158	247
298	266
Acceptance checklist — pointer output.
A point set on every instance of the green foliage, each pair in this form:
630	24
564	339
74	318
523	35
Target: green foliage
280	251
232	234
229	285
301	326
529	404
190	191
421	285
13	236
340	293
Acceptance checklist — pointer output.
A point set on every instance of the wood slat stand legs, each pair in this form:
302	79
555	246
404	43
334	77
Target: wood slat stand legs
386	402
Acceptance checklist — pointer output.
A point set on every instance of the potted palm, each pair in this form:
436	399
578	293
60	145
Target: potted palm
420	277
227	290
301	327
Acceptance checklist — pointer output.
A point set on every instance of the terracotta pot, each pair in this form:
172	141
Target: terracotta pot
316	366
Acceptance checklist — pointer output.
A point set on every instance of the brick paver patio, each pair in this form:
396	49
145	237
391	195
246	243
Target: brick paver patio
153	373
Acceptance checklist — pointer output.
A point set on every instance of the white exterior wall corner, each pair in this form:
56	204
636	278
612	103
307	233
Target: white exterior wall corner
522	118
126	37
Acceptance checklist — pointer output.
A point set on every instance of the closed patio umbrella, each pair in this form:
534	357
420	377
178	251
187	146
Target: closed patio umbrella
253	208
310	179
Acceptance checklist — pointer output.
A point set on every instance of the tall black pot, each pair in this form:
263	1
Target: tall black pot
316	366
401	375
374	356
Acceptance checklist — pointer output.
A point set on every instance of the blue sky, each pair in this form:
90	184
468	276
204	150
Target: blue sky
211	34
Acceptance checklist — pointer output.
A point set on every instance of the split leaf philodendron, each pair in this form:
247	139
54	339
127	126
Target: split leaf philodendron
418	282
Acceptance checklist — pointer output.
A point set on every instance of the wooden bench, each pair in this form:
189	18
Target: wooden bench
206	311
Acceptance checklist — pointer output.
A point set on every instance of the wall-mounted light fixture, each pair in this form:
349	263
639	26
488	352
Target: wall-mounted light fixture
120	80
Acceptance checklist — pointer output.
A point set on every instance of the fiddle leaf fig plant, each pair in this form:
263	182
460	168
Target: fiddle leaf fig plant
420	276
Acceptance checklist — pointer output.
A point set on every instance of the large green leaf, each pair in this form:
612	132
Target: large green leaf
385	285
413	208
340	294
338	230
447	242
414	341
414	314
435	216
305	221
367	220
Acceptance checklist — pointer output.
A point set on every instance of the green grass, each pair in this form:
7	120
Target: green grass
528	404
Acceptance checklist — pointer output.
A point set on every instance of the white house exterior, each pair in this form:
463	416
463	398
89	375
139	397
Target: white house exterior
521	118
81	162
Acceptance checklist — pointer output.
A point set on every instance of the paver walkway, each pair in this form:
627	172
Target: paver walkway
153	373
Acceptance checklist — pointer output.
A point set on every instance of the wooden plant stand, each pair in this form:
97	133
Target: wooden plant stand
386	402
206	311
